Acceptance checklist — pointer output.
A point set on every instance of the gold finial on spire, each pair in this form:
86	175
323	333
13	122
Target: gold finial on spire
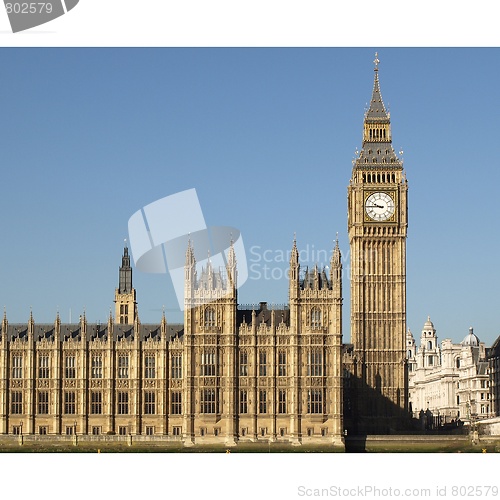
376	61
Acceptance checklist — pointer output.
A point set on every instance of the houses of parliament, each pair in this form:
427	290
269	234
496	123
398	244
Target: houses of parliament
233	374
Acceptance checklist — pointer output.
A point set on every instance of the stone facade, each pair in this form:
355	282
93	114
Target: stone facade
228	374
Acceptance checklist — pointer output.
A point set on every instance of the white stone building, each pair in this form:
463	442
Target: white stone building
447	382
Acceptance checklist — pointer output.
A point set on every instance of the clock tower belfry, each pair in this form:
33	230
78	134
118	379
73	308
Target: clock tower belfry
377	224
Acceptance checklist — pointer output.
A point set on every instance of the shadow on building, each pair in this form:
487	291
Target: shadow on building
367	412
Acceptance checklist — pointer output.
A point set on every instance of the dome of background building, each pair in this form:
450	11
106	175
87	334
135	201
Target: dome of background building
471	338
428	325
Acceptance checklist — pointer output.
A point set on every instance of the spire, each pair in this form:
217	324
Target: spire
336	264
231	264
5	323
125	275
294	255
377	110
190	260
377	150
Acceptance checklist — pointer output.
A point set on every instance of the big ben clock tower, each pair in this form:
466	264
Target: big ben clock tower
377	224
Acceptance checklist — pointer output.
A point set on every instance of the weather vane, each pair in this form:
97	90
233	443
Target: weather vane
376	61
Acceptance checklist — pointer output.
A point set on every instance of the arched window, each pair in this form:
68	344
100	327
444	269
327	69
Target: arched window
429	344
315	317
209	317
409	354
458	362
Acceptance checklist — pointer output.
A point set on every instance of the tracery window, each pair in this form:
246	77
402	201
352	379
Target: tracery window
150	366
316	317
315	363
209	317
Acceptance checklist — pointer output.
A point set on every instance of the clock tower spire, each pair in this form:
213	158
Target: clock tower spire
377	223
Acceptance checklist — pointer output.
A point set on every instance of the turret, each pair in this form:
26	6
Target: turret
336	267
294	270
125	298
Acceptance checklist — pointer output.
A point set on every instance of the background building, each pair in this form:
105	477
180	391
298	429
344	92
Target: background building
448	382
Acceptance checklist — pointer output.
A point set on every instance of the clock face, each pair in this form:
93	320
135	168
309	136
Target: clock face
379	206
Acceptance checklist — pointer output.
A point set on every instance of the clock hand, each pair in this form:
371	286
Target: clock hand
375	206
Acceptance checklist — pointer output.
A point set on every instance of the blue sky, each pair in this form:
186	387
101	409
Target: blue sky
266	136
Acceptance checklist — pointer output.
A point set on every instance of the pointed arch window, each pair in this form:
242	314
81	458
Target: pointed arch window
209	317
316	317
315	363
208	363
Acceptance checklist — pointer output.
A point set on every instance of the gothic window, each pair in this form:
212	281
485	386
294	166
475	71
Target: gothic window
122	403
43	366
123	366
69	402
209	317
176	366
176	403
208	401
243	402
315	363
282	364
96	402
150	430
16	403
243	363
208	368
282	401
315	401
17	366
315	317
262	401
43	402
262	363
150	366
69	367
124	314
96	371
122	430
150	403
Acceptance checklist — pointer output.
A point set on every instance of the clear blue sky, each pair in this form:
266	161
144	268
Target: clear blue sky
266	136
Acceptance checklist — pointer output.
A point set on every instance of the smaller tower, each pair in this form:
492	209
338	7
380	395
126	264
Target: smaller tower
125	299
429	345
